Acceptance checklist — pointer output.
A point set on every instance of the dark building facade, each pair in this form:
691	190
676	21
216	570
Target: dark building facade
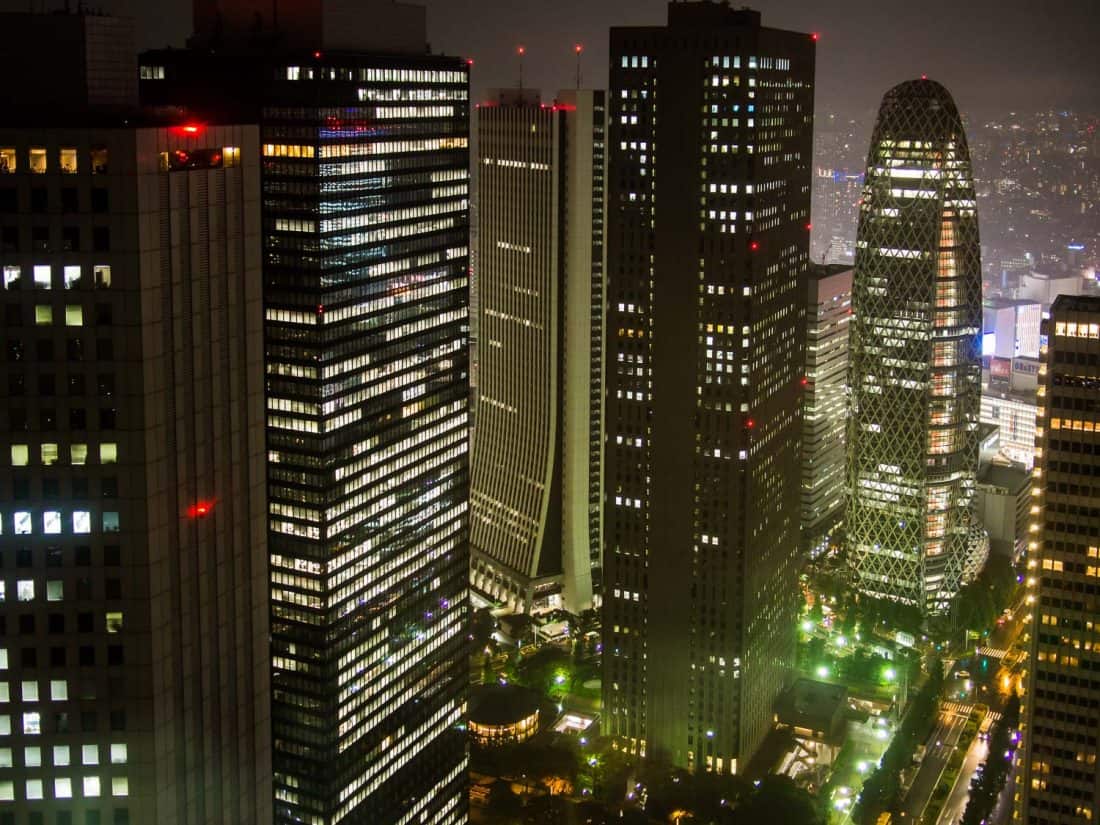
710	122
915	356
1059	775
365	234
134	675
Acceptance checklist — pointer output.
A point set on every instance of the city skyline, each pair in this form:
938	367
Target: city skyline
1027	58
390	439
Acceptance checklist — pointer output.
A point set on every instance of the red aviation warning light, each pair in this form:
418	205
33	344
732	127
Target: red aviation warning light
578	48
754	245
200	509
189	129
815	37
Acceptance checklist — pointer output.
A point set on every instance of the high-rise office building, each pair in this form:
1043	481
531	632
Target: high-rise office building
134	675
1060	774
915	355
709	132
365	233
536	470
825	403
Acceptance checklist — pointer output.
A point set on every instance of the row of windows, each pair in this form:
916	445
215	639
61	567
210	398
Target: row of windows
40	200
39	160
62	755
40	239
91	788
50	454
22	522
375	75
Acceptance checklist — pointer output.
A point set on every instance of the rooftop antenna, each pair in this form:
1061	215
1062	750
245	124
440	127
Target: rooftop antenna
521	51
577	50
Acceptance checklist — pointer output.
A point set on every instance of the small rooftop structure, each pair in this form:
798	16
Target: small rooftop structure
813	709
501	714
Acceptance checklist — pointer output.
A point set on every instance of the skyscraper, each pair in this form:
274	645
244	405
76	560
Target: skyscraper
536	486
707	237
134	675
916	371
1060	776
365	232
824	410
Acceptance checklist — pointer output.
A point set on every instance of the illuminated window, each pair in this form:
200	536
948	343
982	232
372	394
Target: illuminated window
51	522
43	277
152	73
59	692
6	758
8	162
89	755
63	788
110	523
61	755
5	696
55	590
118	754
120	786
24	590
78	454
231	156
72	277
114	622
34	789
68	161
43	315
23	523
32	723
74	315
99	160
102	274
108	453
12	276
82	521
49	454
7	790
5	725
37	160
30	691
20	455
91	786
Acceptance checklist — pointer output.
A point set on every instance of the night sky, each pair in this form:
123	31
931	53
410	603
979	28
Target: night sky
994	55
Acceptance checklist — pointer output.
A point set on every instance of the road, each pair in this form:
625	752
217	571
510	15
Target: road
940	745
956	802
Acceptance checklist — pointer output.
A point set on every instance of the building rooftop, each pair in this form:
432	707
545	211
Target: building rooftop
818	271
502	704
1013	478
812	705
1076	303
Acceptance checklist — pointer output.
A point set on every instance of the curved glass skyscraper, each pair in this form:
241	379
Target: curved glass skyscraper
915	356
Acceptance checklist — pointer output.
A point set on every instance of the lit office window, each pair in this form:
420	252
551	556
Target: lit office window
68	161
82	522
51	522
37	160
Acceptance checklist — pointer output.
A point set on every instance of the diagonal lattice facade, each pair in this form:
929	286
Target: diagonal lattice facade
915	356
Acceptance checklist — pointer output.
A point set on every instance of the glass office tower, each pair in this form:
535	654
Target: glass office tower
365	231
915	368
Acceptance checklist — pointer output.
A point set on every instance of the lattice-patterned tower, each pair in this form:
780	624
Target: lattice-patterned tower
915	368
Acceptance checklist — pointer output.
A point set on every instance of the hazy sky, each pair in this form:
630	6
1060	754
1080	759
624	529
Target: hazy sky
994	55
